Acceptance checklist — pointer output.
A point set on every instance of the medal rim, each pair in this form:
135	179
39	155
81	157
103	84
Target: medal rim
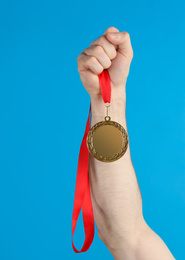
89	141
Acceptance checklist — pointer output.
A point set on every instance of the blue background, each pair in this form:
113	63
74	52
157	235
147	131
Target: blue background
44	109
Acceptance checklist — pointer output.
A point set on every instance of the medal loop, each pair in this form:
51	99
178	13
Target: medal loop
107	118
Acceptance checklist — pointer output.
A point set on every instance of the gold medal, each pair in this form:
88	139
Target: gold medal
107	140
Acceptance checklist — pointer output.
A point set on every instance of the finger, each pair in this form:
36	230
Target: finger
86	62
122	39
111	29
109	48
98	52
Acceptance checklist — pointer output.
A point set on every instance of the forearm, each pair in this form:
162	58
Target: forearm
117	201
115	192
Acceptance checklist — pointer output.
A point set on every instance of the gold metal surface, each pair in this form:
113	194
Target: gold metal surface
107	140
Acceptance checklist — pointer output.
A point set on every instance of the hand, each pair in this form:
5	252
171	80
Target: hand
112	51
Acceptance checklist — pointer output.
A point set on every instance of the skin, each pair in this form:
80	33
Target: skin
115	193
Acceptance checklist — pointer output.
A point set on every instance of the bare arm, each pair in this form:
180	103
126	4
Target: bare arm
117	202
116	197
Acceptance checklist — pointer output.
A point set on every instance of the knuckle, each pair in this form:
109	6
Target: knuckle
85	50
92	61
100	70
98	50
126	35
108	64
78	58
92	43
113	53
101	40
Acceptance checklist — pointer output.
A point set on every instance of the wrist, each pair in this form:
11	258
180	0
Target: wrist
116	109
118	94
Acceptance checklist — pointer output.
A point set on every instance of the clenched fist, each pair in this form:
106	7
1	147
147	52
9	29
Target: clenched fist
112	51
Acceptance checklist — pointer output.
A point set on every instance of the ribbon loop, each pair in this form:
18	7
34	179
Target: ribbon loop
82	199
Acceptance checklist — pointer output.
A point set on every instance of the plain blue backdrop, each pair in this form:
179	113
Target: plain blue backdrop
44	109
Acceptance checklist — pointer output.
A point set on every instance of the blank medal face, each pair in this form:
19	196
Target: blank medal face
107	141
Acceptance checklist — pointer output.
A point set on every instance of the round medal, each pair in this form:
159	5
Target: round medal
107	140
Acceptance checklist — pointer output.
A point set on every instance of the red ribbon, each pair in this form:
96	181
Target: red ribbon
82	199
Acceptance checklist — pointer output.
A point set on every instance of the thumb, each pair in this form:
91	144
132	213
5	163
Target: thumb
122	41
